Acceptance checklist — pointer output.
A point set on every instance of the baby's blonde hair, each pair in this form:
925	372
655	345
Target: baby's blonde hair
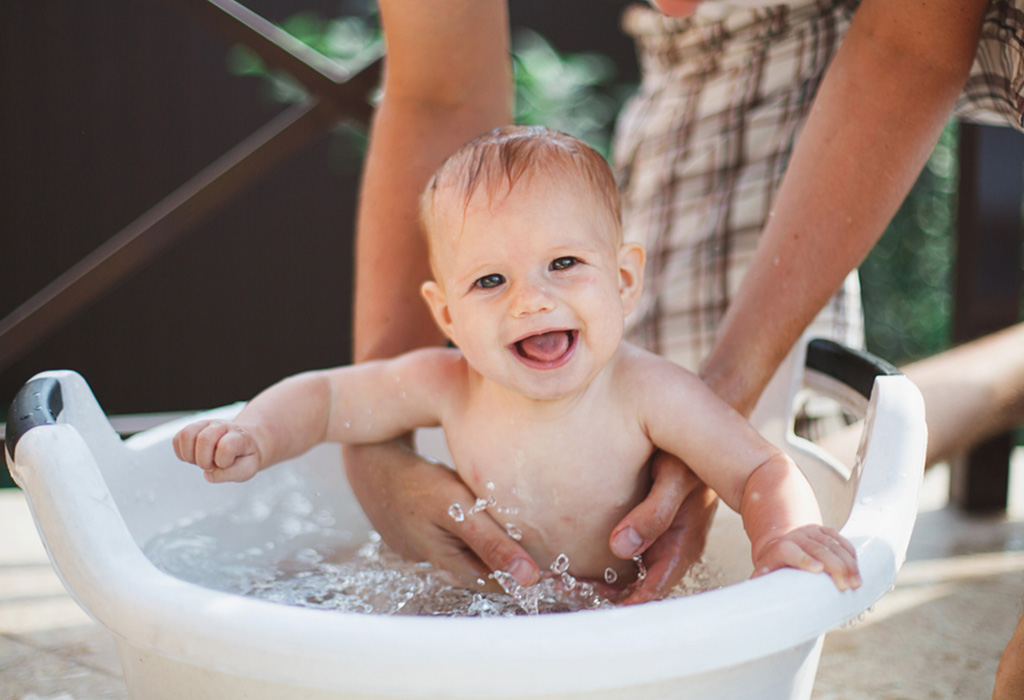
505	155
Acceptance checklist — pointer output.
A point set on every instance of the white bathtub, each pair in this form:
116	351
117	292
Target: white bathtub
96	500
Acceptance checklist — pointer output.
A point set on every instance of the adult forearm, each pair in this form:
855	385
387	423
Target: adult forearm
391	255
447	80
876	117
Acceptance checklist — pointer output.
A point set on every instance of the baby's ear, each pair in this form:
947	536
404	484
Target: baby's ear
437	301
631	275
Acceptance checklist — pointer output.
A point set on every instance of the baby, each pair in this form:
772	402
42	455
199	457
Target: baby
545	408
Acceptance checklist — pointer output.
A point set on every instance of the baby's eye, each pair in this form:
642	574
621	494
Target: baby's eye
563	263
490	281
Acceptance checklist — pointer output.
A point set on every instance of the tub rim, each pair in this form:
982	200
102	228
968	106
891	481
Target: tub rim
656	641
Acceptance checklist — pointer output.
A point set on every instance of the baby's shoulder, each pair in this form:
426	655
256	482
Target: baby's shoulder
435	368
639	370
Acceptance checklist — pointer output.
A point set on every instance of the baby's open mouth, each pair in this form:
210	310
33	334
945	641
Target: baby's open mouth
548	349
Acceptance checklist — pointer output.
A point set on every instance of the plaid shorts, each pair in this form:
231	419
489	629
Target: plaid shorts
700	150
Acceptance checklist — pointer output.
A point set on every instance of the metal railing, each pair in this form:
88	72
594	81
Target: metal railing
334	95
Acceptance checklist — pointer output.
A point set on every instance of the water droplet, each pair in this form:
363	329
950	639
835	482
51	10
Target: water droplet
569	581
513	532
455	513
479	506
490	485
641	568
347	424
610	575
561	564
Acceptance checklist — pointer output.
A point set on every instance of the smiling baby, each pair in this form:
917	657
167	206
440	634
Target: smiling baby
548	413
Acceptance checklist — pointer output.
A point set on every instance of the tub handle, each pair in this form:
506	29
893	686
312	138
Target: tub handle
856	369
39	402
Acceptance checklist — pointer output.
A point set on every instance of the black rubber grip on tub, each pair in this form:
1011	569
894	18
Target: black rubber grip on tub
39	402
855	368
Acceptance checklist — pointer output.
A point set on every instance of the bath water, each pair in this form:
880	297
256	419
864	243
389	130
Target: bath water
282	548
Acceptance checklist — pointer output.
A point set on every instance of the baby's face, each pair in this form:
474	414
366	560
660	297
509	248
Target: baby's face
533	287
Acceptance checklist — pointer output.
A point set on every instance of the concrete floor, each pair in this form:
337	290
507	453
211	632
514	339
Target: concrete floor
938	635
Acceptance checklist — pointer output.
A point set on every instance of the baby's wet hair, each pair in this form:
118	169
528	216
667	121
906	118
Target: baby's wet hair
500	158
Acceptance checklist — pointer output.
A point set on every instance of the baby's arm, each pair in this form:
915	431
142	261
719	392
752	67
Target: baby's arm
365	403
780	512
783	522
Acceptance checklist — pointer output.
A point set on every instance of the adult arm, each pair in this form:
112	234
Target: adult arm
447	78
878	113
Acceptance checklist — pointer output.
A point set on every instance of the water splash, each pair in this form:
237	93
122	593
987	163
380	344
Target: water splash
641	568
478	507
561	564
289	552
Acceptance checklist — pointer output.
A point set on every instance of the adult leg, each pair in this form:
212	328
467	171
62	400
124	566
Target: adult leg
971	392
1010	672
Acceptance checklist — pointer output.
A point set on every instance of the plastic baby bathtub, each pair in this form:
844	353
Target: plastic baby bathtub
97	500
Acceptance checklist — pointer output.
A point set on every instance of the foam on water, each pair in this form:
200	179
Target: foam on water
283	549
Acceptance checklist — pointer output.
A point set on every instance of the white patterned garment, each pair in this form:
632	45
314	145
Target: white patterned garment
701	149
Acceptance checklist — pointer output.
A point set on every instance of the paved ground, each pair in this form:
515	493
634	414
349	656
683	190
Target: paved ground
938	635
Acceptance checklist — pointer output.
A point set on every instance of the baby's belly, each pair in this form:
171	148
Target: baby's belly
555	516
582	535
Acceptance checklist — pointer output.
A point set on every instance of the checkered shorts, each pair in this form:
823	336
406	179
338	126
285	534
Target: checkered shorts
701	149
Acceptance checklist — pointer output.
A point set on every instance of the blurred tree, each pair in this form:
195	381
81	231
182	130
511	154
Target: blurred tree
907	278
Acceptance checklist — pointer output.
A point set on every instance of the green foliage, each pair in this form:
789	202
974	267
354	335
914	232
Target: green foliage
352	41
573	92
907	279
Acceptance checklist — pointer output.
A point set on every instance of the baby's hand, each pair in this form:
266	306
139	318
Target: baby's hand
225	451
813	548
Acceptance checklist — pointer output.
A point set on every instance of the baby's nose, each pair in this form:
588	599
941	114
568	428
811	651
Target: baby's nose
530	298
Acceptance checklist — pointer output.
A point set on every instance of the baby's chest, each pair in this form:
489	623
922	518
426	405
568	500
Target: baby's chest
566	462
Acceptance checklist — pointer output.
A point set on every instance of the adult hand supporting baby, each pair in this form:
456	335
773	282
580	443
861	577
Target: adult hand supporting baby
407	499
669	527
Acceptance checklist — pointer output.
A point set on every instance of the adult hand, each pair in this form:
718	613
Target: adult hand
407	499
669	527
